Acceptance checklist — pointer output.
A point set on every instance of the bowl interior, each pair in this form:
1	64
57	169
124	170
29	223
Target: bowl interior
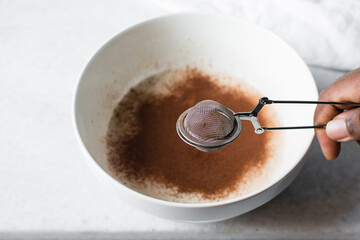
228	45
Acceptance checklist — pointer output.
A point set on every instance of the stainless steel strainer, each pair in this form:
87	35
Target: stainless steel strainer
209	125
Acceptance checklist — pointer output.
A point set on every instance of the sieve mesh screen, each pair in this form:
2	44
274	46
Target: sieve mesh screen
209	120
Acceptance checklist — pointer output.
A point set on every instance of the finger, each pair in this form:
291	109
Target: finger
345	127
324	113
345	89
329	147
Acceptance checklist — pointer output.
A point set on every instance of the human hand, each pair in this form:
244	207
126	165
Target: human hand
341	126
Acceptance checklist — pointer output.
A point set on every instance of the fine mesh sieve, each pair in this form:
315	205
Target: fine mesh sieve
209	125
209	121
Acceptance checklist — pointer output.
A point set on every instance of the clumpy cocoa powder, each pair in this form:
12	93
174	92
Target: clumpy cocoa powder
144	147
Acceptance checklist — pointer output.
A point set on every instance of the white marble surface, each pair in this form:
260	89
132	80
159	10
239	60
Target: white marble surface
46	189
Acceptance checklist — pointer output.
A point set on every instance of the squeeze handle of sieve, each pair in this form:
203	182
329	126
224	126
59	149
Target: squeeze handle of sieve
268	101
289	128
252	116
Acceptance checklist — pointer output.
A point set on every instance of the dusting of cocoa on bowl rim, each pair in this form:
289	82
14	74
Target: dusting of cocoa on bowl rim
143	145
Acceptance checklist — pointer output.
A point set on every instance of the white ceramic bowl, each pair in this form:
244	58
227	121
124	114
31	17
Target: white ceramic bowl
226	44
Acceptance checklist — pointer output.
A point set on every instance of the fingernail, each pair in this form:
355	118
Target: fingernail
336	129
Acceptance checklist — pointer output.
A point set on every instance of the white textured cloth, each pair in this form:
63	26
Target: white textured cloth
324	33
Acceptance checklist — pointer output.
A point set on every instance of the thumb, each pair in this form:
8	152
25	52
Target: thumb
345	127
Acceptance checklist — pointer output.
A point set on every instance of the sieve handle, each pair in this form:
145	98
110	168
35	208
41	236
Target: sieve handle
252	116
268	101
265	100
288	128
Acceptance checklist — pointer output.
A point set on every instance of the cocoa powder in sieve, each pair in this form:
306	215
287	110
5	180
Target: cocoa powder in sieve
144	146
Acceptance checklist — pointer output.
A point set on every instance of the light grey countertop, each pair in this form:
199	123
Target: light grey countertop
46	189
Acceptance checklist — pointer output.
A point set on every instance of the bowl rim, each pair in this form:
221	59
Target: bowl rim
118	184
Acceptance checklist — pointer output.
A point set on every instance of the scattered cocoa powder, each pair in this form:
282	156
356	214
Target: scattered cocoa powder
144	146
